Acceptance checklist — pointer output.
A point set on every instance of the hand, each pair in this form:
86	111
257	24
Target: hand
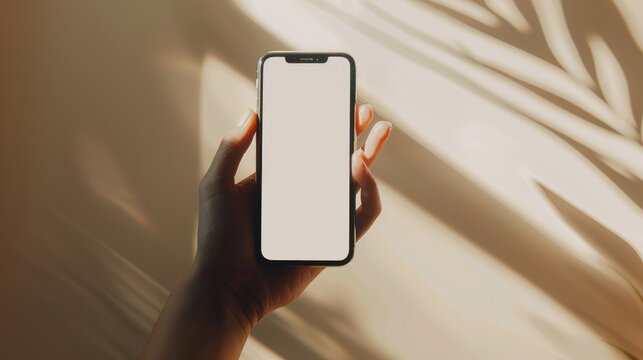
210	314
225	254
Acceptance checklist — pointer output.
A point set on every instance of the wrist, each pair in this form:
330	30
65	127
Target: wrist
214	294
198	322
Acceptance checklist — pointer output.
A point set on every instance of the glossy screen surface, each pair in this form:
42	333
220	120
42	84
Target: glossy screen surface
305	160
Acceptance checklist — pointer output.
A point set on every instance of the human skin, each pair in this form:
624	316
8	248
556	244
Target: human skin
211	311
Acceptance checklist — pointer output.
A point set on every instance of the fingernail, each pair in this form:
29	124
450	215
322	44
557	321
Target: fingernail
245	118
364	112
382	127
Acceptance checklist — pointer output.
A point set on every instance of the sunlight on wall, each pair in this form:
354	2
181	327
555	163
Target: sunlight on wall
629	10
498	116
101	172
508	10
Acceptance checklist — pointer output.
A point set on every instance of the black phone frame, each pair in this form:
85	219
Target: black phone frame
305	57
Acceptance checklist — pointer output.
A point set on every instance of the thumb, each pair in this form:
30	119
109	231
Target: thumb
224	166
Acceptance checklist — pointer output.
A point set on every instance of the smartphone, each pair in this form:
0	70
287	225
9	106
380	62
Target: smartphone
305	139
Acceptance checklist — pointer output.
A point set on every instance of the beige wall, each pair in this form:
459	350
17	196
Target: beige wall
512	185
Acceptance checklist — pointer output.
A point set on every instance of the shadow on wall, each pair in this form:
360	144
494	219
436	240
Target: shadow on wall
560	22
120	156
621	256
444	192
310	330
113	94
439	189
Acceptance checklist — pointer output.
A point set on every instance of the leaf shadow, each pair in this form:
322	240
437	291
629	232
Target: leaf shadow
602	18
336	326
618	251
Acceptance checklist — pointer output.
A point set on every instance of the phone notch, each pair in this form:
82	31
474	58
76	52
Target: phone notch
307	58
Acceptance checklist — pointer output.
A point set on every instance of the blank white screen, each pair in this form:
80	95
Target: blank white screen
305	160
